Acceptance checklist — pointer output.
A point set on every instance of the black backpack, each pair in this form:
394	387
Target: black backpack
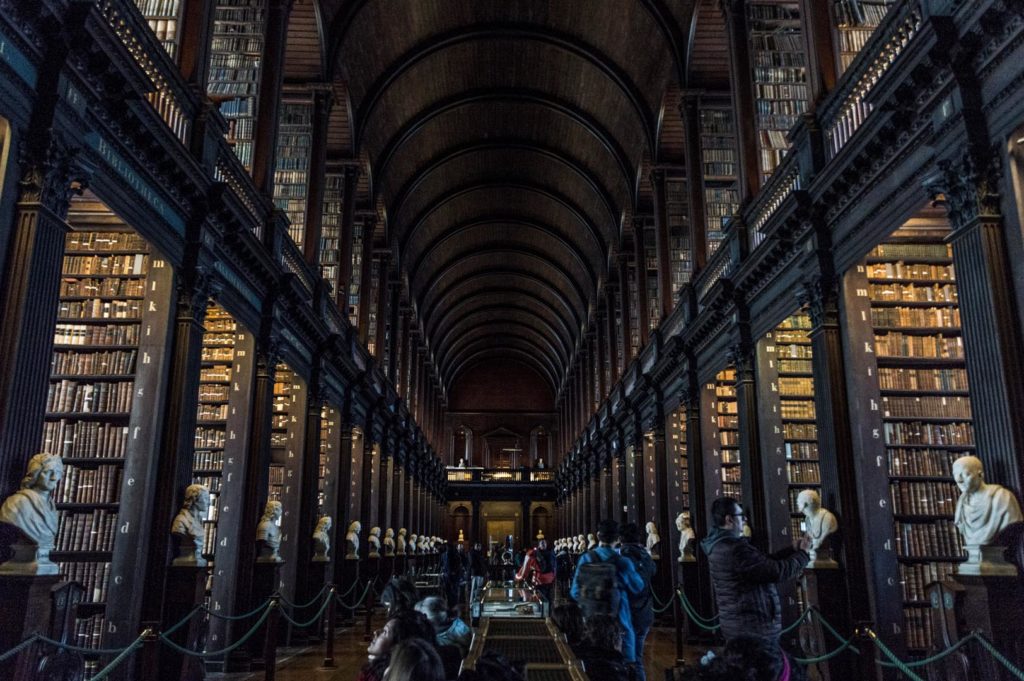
598	582
544	561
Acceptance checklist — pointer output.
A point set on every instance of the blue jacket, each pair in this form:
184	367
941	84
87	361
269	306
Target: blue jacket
630	582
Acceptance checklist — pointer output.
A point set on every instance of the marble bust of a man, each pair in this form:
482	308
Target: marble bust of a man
389	542
982	512
820	524
32	512
653	540
591	541
187	526
400	542
686	538
374	542
322	539
268	534
352	540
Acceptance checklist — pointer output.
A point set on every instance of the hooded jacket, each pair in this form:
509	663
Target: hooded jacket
744	579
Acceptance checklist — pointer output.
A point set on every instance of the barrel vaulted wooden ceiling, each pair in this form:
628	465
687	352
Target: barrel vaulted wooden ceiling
506	143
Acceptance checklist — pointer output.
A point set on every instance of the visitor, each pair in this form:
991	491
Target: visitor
744	577
477	571
601	655
448	630
745	658
402	627
414	659
603	582
563	568
453	573
538	568
569	619
641	605
491	666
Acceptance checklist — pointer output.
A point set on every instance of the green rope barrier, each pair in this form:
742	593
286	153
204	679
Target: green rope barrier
295	606
897	662
934	658
235	618
790	627
663	607
827	656
216	653
705	624
349	590
358	602
302	625
125	654
21	646
1000	658
34	638
184	620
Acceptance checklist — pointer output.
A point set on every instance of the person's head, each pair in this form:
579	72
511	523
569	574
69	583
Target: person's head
604	632
461	548
403	626
414	659
44	472
477	546
607	531
629	534
569	619
542	544
436	611
727	514
968	474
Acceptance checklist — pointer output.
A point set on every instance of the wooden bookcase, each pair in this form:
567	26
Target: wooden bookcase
373	296
720	436
110	337
330	234
354	284
288	430
679	472
291	175
855	21
780	75
718	159
164	18
649	274
236	55
677	213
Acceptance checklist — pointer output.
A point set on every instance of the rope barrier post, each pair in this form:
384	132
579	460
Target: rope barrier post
369	605
865	649
329	635
270	638
677	621
150	658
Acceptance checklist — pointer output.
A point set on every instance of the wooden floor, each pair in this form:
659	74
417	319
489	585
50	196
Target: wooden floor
304	664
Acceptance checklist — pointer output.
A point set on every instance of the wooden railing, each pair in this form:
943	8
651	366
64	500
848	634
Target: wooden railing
501	475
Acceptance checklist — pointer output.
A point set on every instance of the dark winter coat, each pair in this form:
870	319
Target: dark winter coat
744	579
641	605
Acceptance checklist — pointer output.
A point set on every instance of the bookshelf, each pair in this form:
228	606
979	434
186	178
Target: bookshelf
796	410
679	472
113	311
356	490
925	406
355	285
236	54
855	21
727	422
634	310
373	295
780	76
291	175
287	435
164	19
330	235
632	498
680	251
325	501
649	272
718	159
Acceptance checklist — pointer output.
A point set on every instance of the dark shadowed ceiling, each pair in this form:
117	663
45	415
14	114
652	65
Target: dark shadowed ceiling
504	141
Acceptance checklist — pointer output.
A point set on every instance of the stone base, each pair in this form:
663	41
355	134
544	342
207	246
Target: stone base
987	561
26	610
186	588
825	588
29	559
993	604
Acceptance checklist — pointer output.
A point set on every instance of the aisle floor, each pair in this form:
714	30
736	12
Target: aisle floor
304	664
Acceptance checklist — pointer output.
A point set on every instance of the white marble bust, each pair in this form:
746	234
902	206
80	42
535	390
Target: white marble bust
352	540
32	512
581	543
389	542
374	541
322	540
653	540
268	534
414	544
400	542
982	512
424	544
187	526
686	538
820	523
591	541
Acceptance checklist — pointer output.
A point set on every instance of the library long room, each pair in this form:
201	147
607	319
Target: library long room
440	340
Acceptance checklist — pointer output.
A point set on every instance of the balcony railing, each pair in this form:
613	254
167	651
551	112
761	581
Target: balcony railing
500	475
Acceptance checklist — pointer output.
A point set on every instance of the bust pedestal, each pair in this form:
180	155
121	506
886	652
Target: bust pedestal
349	576
26	611
387	568
990	603
186	588
824	587
266	576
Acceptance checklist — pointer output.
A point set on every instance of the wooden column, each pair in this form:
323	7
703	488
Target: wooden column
690	398
741	80
611	336
992	338
753	469
661	243
637	478
601	356
264	152
820	48
385	503
383	308
640	274
308	583
394	314
349	184
195	34
689	111
367	512
625	307
323	97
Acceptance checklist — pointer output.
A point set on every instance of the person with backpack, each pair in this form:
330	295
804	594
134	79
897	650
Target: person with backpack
641	605
539	567
453	573
603	582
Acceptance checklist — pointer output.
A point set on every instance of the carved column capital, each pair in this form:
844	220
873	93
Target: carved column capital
741	356
52	175
969	186
820	295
